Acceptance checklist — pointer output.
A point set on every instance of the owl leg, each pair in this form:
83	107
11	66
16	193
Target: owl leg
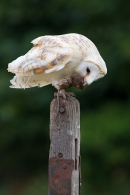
63	93
58	101
57	95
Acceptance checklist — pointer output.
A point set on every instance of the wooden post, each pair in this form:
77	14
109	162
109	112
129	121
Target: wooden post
64	155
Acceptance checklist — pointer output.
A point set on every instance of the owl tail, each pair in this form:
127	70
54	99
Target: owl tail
23	82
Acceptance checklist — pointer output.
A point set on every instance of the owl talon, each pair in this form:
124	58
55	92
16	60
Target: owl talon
64	94
70	94
60	93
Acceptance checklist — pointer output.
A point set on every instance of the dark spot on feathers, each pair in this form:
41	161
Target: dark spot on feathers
61	57
54	62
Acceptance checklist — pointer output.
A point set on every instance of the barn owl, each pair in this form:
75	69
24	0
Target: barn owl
61	60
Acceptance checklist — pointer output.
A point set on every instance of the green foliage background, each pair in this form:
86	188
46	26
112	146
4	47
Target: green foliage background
105	105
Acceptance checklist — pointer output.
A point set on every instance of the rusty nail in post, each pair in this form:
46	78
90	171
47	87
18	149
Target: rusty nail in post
60	155
62	109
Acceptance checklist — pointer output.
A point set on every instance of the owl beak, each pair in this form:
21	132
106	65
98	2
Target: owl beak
84	81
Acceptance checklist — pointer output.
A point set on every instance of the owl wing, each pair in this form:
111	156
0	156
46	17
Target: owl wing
49	54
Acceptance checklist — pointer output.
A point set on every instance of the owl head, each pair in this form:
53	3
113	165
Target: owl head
92	69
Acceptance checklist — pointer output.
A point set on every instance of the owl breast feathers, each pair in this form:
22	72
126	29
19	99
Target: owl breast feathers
54	58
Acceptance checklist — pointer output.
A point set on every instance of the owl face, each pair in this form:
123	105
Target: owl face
91	72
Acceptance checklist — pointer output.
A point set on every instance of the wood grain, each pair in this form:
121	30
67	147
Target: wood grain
65	142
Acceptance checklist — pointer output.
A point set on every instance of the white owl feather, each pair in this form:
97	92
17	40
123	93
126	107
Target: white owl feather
54	58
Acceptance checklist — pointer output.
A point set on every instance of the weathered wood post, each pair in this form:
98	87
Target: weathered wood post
64	155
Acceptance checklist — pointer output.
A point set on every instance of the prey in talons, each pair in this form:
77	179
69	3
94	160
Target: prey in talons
71	81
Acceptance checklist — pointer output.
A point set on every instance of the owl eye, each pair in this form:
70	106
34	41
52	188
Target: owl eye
88	71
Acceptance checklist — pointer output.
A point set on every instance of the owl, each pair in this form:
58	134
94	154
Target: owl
61	60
